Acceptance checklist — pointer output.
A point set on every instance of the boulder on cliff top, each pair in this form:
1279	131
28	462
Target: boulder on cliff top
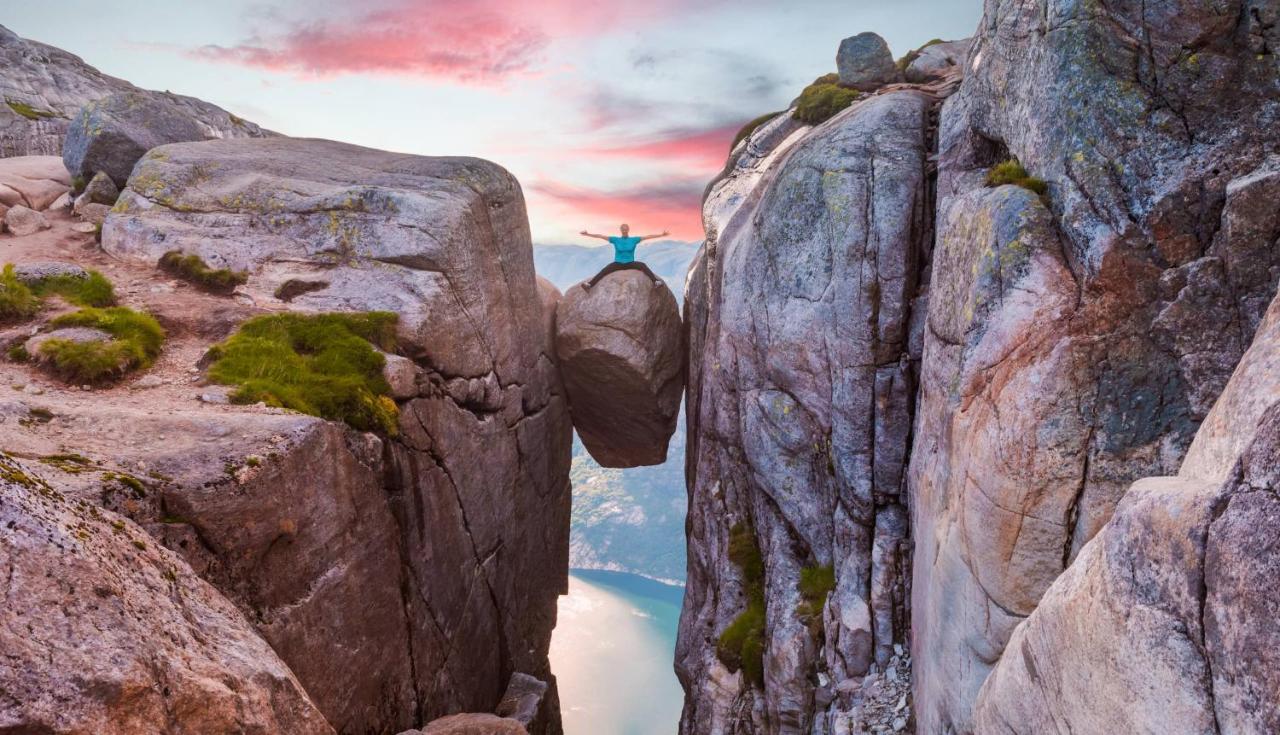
865	62
110	135
105	631
622	361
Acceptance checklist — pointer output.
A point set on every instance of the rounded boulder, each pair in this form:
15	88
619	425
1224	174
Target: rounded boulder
620	349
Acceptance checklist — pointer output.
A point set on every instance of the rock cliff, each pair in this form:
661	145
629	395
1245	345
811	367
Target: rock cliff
914	399
44	88
398	577
801	382
1075	342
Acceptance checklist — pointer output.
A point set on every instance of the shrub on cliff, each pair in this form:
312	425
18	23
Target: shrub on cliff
821	100
17	302
136	341
741	644
319	364
911	56
193	269
815	584
1012	172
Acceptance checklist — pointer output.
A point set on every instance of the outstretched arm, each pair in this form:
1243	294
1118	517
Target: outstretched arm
664	233
598	237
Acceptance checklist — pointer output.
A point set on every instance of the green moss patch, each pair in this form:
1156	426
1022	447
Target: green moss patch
320	364
92	290
1012	172
136	342
27	111
751	127
193	269
17	302
741	644
824	98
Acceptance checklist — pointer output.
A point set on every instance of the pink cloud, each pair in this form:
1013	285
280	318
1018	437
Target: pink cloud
650	208
466	40
706	149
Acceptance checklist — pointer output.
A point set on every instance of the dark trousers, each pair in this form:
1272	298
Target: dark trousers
616	266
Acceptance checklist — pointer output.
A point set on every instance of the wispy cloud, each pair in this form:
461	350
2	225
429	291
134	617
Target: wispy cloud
463	40
673	206
701	148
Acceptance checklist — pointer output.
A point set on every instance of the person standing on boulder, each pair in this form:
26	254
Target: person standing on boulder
624	255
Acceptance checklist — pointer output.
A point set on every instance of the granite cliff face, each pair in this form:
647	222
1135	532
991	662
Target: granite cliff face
799	310
44	88
940	388
398	577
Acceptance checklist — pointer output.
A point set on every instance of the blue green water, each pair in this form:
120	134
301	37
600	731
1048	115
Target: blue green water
612	655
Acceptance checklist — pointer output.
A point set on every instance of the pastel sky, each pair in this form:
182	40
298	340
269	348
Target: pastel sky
606	111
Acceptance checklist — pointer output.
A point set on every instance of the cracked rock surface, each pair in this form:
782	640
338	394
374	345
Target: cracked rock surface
86	591
801	375
400	579
1163	622
1075	344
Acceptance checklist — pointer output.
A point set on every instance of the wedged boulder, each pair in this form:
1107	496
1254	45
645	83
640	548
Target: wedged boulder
106	631
865	62
621	358
473	724
33	181
938	60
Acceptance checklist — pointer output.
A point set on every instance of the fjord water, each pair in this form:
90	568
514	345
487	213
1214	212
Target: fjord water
612	655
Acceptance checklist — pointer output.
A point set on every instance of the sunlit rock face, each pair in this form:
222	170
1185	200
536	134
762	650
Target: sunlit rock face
450	535
799	311
1076	343
1161	622
87	592
621	356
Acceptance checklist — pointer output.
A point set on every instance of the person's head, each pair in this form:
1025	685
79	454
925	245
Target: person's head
626	230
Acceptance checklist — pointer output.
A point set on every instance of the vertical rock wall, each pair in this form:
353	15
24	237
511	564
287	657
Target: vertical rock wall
801	385
1076	342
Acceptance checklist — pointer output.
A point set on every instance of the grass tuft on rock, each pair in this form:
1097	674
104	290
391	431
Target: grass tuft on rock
815	584
193	269
92	290
911	56
320	364
751	127
824	98
137	339
17	302
741	644
1012	172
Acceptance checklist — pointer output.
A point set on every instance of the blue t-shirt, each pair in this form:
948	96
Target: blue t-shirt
624	249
